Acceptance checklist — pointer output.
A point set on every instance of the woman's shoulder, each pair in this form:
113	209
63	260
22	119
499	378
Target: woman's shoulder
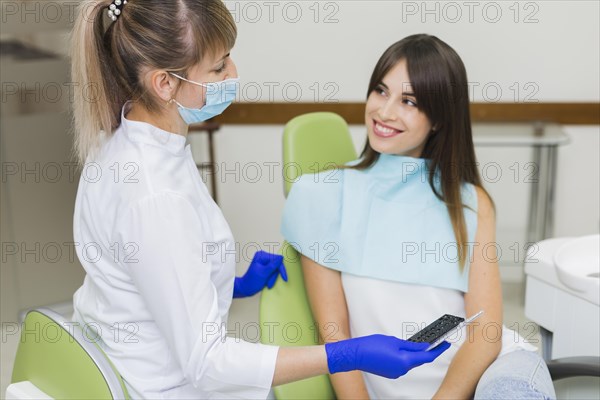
323	182
476	198
326	178
485	204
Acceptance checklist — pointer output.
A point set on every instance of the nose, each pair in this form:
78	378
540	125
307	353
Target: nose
386	111
232	70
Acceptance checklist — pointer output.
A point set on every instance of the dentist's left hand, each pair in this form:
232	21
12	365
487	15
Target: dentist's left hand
263	271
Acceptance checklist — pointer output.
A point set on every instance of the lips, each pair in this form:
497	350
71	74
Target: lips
384	131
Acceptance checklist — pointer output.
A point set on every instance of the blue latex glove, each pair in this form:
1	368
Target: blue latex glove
381	355
263	271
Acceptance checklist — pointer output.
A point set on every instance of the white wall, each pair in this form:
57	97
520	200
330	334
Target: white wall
542	51
553	46
550	53
578	192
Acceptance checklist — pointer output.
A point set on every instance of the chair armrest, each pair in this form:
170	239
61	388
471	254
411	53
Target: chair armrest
24	390
574	366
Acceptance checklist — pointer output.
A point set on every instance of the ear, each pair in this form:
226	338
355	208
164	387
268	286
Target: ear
163	84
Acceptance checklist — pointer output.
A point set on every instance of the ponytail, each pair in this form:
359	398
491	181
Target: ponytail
95	112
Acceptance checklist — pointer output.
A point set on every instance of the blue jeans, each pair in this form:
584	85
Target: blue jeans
519	374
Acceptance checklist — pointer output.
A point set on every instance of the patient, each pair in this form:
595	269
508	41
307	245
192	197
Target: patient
406	233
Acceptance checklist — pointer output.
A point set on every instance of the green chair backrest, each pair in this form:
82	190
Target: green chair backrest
314	142
286	320
57	358
311	143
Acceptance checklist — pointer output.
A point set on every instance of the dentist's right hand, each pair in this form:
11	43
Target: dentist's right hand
381	355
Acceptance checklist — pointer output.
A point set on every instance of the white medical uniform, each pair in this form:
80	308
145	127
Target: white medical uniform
160	265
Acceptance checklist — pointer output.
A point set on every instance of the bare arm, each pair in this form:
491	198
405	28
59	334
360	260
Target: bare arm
483	342
328	304
296	363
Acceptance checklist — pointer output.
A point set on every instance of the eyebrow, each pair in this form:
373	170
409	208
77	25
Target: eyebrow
404	94
224	57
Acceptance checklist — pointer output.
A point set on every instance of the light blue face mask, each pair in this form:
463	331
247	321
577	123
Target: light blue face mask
219	95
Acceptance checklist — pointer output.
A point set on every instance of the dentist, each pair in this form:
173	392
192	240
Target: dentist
156	249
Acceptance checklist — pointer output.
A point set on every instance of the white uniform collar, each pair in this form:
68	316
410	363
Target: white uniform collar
144	132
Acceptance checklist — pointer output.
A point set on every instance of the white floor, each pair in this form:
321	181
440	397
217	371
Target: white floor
514	318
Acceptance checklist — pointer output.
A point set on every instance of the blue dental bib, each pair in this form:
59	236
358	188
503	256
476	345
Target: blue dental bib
384	222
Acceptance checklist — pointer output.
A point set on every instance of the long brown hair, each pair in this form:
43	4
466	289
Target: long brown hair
108	58
439	82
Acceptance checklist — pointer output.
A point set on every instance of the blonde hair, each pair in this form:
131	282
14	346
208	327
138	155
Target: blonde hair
108	57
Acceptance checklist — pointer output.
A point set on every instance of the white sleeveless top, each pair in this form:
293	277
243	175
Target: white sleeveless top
401	309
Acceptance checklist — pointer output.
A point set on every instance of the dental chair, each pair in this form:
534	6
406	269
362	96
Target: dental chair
311	143
58	360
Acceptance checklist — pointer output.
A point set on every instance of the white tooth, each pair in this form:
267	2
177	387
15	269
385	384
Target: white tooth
385	129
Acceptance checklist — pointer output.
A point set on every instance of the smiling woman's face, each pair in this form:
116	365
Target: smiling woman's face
394	123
